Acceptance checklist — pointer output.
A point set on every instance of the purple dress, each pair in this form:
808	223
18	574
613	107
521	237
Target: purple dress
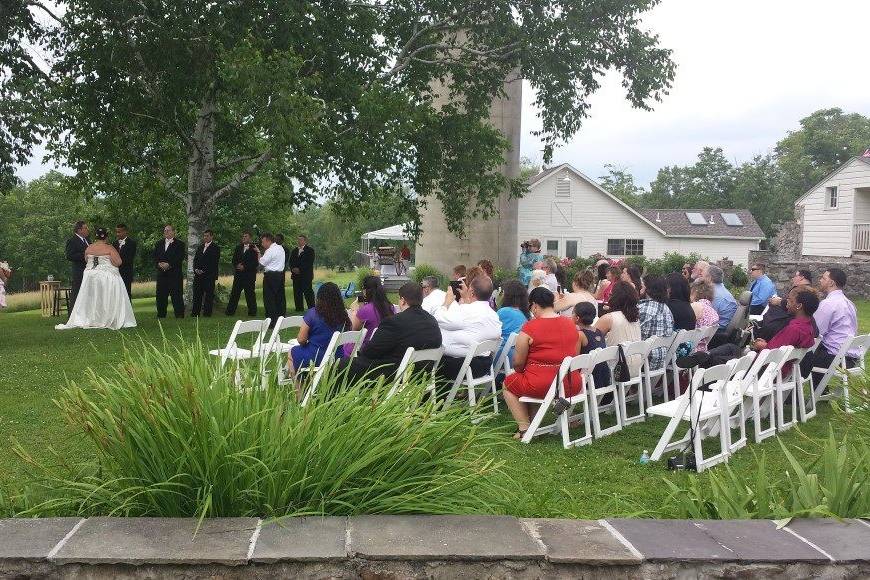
371	319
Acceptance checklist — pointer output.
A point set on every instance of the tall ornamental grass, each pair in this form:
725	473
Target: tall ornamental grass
174	435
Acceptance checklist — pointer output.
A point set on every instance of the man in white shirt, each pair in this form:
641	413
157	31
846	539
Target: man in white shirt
433	296
466	323
273	261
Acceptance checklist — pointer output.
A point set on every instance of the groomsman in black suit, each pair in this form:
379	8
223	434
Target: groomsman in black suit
126	247
168	257
75	253
205	274
302	272
244	276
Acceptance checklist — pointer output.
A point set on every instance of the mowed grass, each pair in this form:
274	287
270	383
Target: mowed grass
598	480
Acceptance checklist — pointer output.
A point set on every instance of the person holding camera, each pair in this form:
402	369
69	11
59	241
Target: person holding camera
529	256
368	310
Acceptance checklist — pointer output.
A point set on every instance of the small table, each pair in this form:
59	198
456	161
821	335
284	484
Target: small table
47	291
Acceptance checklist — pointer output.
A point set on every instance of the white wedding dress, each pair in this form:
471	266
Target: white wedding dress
102	301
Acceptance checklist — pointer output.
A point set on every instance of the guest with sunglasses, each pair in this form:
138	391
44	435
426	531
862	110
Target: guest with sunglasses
762	289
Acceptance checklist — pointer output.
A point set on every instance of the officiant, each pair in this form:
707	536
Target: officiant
75	253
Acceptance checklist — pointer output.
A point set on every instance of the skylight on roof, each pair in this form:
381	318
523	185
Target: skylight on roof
696	219
732	219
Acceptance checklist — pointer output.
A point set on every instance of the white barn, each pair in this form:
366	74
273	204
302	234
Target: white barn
836	212
574	216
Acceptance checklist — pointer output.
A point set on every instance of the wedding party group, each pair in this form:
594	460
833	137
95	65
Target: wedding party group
102	274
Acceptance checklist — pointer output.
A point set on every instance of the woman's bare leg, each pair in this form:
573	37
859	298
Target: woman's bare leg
518	409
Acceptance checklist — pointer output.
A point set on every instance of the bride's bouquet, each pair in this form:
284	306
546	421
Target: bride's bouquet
5	266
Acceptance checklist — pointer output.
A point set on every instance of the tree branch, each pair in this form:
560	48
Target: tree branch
240	177
41	6
233	160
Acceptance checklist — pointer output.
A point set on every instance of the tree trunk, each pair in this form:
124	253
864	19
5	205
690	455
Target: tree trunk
200	183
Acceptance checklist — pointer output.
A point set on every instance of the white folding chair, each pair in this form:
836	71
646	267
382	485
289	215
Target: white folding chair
583	363
697	407
406	366
504	365
466	377
609	356
837	369
338	340
763	393
232	351
682	337
651	375
788	387
744	372
276	344
632	351
805	387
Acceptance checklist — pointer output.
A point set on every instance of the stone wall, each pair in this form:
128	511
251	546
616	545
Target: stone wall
395	547
780	271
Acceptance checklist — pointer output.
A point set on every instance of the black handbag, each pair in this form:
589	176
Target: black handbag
621	372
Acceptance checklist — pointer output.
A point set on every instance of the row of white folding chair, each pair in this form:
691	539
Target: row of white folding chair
793	387
253	329
837	369
406	367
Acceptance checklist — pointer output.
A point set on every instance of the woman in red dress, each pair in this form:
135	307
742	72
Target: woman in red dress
542	345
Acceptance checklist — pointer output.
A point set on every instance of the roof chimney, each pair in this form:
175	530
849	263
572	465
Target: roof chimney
658	218
712	223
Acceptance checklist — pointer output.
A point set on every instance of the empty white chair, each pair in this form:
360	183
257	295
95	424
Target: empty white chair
583	363
466	377
411	358
633	350
256	329
838	369
504	365
276	344
338	340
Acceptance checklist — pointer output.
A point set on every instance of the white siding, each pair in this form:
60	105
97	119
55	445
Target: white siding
828	232
592	217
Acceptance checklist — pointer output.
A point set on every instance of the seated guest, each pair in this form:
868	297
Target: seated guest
723	300
318	324
699	270
800	331
514	312
613	274
433	296
466	323
601	281
412	326
631	274
374	308
536	279
542	345
655	317
837	321
679	302
777	315
687	271
621	323
580	285
705	314
762	289
487	268
458	272
548	266
591	339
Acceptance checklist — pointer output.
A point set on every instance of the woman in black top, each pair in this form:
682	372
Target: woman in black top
678	302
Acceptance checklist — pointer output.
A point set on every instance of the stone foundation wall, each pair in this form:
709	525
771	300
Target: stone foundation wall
396	547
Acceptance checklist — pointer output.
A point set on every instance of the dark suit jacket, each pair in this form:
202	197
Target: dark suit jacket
208	261
128	256
174	256
247	259
303	261
75	253
413	327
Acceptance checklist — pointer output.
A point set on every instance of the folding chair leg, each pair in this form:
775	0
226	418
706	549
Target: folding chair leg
665	440
806	414
494	395
539	416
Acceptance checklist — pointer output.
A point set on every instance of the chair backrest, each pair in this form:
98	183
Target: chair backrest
712	375
706	332
741	315
776	358
637	348
242	327
662	341
477	350
861	344
504	363
585	363
608	355
354	337
412	357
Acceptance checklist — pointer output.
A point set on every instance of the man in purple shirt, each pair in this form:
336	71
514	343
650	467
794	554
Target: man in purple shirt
836	319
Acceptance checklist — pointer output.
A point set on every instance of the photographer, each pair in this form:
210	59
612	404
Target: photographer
529	256
369	309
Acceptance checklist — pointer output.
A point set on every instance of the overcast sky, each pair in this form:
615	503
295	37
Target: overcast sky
747	72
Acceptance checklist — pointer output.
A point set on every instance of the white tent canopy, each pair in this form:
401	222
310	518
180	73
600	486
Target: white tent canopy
390	233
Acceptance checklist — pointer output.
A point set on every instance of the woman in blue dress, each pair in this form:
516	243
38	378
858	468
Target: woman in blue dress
514	312
318	324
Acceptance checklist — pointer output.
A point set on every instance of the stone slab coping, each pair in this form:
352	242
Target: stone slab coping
613	542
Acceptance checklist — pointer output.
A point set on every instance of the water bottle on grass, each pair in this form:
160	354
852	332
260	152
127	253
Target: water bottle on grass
644	457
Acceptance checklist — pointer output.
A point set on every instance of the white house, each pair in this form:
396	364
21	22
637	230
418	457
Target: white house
836	212
574	216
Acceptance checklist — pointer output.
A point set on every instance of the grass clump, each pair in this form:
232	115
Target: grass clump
175	435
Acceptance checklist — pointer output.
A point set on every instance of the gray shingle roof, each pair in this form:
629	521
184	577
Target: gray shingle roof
675	223
536	178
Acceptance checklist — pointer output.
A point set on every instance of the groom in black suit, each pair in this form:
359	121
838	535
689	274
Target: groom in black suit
301	263
205	273
75	253
126	247
168	257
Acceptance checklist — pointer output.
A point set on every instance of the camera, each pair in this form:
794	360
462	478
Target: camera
687	461
525	245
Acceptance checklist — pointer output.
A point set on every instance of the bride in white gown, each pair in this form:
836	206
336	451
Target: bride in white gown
102	301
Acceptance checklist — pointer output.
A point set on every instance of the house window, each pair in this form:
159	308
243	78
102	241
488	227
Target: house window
553	247
571	248
831	197
625	247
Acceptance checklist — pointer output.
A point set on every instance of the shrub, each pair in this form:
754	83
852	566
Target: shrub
361	273
739	277
423	270
501	275
175	435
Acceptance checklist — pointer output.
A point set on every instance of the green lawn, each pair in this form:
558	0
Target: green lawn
598	480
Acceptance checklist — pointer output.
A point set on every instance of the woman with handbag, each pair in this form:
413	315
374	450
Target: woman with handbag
542	345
